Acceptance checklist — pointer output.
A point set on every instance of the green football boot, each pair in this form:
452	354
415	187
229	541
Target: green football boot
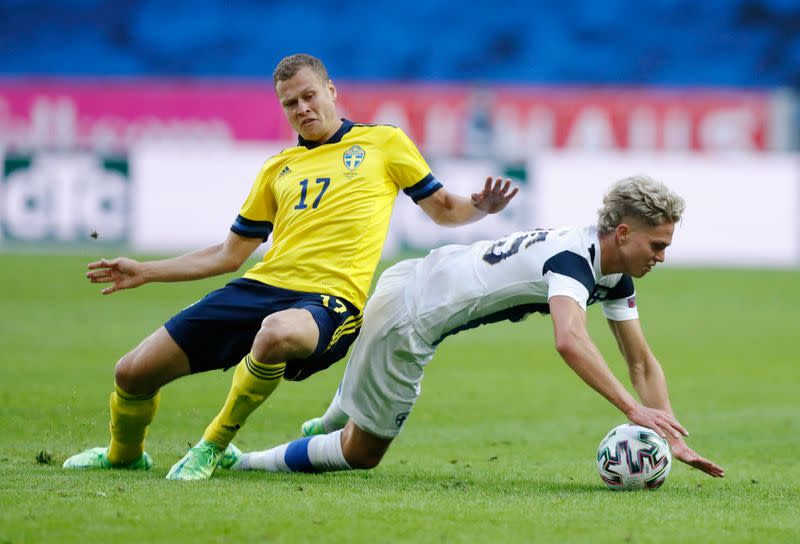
313	427
98	458
231	458
199	462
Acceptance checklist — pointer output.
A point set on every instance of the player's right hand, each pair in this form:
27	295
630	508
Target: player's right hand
123	272
660	421
682	452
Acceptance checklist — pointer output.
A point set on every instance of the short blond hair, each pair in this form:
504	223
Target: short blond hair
642	198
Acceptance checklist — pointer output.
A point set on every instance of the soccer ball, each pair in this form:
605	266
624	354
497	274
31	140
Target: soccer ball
633	457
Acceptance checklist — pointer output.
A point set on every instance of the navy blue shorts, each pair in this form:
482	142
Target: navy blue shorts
218	330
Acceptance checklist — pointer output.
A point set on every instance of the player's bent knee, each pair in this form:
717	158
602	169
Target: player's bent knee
277	342
155	362
127	375
363	459
271	346
138	374
361	449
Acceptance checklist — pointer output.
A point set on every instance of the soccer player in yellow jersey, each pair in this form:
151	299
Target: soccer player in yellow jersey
327	203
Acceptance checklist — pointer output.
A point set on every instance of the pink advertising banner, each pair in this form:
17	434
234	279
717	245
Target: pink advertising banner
499	121
115	114
647	119
514	121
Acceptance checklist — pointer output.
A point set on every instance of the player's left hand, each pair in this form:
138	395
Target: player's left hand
495	195
684	453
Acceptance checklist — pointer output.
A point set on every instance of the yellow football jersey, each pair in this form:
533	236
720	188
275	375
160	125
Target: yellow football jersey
330	206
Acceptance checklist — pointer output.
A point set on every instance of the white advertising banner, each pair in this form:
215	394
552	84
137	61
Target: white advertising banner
58	198
741	210
187	197
411	229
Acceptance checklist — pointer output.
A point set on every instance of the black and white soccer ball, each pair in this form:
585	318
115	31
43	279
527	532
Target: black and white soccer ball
633	457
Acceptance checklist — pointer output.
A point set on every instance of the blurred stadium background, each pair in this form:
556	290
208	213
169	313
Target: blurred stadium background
148	122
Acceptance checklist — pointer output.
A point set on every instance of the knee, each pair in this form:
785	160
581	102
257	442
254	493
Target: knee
126	375
362	458
363	461
138	375
152	364
276	342
270	344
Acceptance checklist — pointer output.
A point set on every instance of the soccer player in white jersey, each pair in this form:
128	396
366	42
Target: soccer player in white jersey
419	302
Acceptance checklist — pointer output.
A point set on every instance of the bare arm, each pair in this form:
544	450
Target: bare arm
452	210
648	379
579	352
646	374
125	273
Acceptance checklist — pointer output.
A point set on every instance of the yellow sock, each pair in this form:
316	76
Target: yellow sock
130	416
252	383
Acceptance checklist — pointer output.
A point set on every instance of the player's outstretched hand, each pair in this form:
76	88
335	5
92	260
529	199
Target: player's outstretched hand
684	453
495	195
660	421
123	272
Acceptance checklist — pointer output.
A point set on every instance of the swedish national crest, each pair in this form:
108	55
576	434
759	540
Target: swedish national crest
353	157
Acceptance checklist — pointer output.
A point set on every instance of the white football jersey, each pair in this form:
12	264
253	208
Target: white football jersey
459	287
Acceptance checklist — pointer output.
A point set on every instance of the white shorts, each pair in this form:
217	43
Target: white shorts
382	379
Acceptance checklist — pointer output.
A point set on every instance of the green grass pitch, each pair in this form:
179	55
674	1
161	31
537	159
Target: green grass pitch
499	448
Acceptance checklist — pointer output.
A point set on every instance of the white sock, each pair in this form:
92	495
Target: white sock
334	418
321	453
325	452
269	460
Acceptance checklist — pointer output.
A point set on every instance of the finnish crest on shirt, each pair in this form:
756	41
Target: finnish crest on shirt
353	157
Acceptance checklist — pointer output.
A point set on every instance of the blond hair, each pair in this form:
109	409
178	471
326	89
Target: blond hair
642	198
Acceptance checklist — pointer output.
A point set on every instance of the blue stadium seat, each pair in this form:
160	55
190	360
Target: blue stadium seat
747	43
